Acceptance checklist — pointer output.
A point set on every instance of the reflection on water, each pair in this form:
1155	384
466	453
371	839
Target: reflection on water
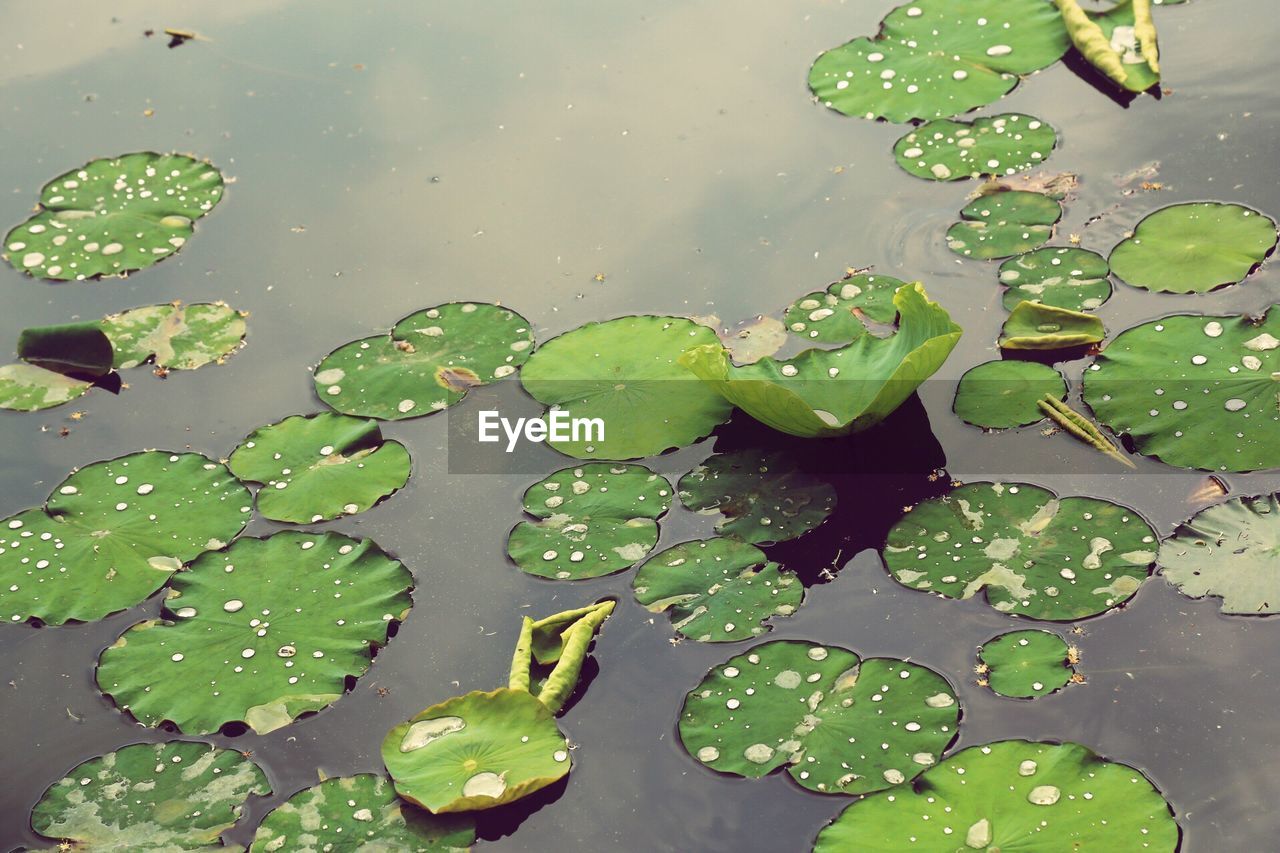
395	157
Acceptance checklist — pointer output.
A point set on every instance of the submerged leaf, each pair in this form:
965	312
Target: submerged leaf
1004	394
150	796
1013	795
936	58
1228	551
1025	664
838	723
1002	224
317	467
1035	326
259	633
717	590
835	392
114	216
945	150
113	532
1030	552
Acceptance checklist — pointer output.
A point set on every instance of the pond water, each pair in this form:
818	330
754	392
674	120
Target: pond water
391	158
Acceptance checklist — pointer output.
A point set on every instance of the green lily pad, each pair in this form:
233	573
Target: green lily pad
624	373
1194	391
594	520
259	633
150	796
933	59
834	316
27	388
1013	795
176	336
1194	248
764	497
839	391
317	467
1035	326
840	724
717	590
359	812
1026	664
1228	551
114	216
113	532
946	150
1004	394
1003	223
1075	279
427	363
476	751
1032	553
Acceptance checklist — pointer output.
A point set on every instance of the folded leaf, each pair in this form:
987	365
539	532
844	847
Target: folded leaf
1035	326
70	348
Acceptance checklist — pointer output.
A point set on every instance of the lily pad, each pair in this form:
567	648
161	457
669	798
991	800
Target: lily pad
1228	551
1035	326
317	467
476	751
62	364
1194	391
1032	553
946	150
1194	248
259	633
834	316
717	590
427	363
624	373
840	724
113	532
839	391
764	497
1026	664
1004	394
114	216
1116	42
1003	223
933	59
359	812
150	796
177	337
594	520
1075	279
27	388
1013	795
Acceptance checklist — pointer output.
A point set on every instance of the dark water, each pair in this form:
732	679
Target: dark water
511	151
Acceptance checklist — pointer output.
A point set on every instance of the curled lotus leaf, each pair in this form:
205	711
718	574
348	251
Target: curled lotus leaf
113	532
1194	247
1005	223
593	520
317	467
61	363
1036	326
114	216
840	724
717	590
763	496
150	796
1013	795
1194	391
1026	664
624	372
175	336
946	150
1075	279
428	362
1004	394
835	316
838	391
936	58
1228	551
259	633
1120	41
359	812
1032	553
476	752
